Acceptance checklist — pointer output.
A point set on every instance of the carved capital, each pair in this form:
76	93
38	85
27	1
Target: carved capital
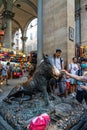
8	14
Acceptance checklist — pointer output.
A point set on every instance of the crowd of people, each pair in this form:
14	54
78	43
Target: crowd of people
64	84
11	71
73	79
81	81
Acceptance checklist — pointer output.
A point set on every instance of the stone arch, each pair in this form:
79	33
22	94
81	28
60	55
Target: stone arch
30	4
77	27
19	26
25	29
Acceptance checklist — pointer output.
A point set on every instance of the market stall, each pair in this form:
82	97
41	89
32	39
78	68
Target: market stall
16	59
12	55
83	51
17	72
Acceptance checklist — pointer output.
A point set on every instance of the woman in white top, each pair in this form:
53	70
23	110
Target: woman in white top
5	71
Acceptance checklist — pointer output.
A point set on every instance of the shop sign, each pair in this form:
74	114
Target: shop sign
71	33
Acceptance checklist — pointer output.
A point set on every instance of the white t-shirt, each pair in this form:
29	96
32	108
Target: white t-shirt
67	80
58	63
73	67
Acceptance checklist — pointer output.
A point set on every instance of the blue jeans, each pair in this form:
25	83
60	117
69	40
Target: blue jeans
80	126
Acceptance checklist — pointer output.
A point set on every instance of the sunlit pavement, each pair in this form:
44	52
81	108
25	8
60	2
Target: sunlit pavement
5	89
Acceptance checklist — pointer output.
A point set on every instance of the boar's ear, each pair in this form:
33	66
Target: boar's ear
48	59
45	57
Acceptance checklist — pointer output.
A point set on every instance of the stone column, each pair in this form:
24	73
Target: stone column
78	26
7	38
7	20
40	32
23	43
70	30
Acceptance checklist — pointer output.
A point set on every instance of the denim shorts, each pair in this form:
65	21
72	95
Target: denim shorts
72	81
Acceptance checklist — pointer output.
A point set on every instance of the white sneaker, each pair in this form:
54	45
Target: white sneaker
1	90
73	94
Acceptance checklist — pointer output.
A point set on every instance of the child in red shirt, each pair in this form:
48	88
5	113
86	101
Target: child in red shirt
67	85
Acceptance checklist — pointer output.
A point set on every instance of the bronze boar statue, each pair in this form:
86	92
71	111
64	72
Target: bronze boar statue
43	73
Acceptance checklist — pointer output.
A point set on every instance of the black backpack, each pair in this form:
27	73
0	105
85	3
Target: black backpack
79	72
